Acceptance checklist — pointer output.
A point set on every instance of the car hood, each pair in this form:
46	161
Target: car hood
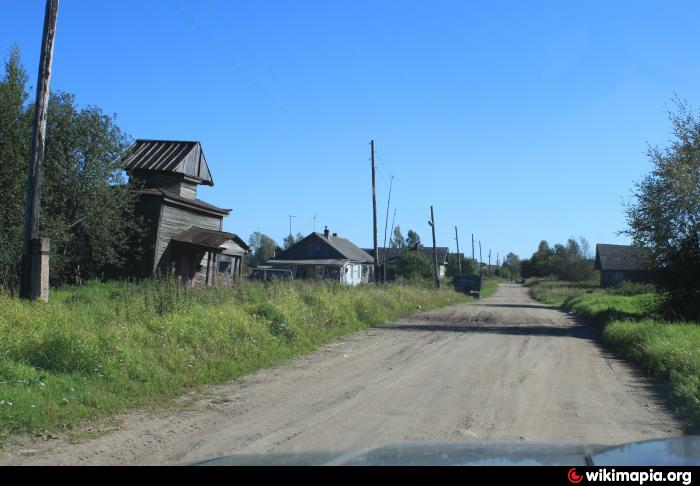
680	451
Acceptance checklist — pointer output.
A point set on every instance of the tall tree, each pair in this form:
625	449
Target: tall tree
15	136
512	263
397	240
87	209
413	240
664	215
262	248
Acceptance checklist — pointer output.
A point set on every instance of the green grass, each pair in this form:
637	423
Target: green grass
668	351
588	300
103	348
488	286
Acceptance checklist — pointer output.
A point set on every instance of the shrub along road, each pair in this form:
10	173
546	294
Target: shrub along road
504	369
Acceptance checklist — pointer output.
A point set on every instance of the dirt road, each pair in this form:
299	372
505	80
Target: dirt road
505	369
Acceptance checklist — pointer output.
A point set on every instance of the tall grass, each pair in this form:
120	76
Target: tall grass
105	347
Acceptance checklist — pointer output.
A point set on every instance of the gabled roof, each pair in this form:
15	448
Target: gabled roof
442	252
185	201
238	241
619	257
203	237
318	247
168	156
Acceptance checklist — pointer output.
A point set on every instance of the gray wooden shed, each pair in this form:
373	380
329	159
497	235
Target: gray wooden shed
620	263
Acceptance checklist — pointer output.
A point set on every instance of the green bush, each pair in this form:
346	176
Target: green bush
414	265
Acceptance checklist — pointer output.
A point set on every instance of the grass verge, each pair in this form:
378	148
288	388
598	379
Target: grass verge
106	347
668	351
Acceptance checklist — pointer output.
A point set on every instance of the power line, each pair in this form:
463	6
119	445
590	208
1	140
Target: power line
244	43
224	53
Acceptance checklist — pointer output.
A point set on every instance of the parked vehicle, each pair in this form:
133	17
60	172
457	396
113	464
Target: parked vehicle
269	274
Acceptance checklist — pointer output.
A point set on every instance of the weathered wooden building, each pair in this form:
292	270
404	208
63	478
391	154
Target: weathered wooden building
326	256
184	235
620	263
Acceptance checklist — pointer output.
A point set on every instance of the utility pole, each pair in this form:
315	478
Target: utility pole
481	269
392	232
290	227
374	216
315	223
34	279
459	259
473	257
489	267
435	265
386	222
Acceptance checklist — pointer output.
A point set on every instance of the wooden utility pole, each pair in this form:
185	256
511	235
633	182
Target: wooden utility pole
481	269
291	238
435	265
386	223
473	257
374	215
392	232
34	281
489	267
459	259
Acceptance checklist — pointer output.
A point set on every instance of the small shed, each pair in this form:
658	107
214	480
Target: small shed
621	263
328	257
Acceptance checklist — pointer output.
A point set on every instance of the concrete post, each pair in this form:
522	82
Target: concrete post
40	269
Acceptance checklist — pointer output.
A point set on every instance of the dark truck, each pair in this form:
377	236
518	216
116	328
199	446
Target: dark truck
469	284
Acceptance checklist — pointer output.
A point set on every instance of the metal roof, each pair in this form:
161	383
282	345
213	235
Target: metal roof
347	248
316	246
442	252
319	261
197	203
203	237
169	156
619	257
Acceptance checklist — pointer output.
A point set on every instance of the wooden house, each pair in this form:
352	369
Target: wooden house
326	256
184	235
620	263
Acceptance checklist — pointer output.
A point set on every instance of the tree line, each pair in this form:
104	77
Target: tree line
569	261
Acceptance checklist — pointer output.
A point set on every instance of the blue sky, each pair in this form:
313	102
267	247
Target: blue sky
518	121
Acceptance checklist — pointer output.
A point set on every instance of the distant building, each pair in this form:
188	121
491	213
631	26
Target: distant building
620	263
392	257
184	234
326	256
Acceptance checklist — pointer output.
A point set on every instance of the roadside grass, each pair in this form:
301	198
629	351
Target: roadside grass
631	326
488	286
670	351
102	348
